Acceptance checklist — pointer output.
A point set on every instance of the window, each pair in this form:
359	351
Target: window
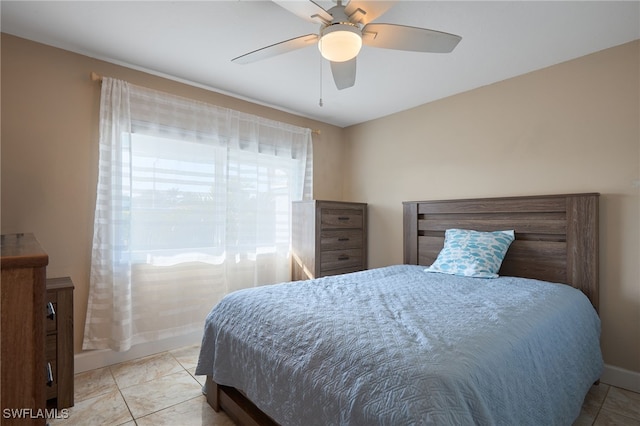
174	199
193	201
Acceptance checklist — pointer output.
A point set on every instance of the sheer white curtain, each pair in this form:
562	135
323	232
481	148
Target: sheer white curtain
193	201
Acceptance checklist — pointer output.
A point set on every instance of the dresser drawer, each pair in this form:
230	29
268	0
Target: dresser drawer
52	324
51	347
339	259
341	218
341	239
343	270
52	391
51	355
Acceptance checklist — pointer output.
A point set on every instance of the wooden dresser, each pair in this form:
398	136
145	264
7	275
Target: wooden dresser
328	238
59	342
22	291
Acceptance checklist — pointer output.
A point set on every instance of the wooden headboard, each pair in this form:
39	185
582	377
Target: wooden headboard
556	235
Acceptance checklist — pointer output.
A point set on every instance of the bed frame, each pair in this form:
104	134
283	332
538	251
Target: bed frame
556	240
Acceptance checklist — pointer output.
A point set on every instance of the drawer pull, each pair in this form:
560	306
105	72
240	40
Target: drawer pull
343	218
51	312
49	375
343	239
343	257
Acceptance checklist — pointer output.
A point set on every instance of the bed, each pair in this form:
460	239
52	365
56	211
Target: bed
399	345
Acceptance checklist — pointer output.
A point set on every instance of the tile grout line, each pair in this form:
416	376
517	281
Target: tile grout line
146	381
165	408
606	395
122	396
184	369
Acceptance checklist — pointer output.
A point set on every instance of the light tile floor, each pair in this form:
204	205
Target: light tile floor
163	389
157	390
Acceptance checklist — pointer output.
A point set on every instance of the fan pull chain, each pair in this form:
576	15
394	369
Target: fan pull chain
320	102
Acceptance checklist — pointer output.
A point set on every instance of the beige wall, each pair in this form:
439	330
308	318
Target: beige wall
569	128
50	111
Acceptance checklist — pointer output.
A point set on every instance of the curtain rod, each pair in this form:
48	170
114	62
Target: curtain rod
97	77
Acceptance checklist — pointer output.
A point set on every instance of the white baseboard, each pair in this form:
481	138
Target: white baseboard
621	378
90	360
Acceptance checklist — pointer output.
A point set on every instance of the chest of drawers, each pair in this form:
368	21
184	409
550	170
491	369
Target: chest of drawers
22	290
328	238
59	342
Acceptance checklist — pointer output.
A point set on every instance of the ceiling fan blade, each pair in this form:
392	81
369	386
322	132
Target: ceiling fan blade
372	9
344	73
306	9
400	37
276	49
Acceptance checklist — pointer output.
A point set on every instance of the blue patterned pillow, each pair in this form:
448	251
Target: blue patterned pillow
472	253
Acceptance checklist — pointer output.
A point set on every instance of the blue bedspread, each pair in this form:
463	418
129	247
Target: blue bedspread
400	346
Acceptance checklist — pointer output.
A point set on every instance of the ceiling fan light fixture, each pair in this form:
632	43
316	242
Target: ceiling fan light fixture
340	42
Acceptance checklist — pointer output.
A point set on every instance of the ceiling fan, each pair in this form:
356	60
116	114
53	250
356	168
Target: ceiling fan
343	31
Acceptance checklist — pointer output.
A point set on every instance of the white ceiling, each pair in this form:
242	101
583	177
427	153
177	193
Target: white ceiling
194	42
